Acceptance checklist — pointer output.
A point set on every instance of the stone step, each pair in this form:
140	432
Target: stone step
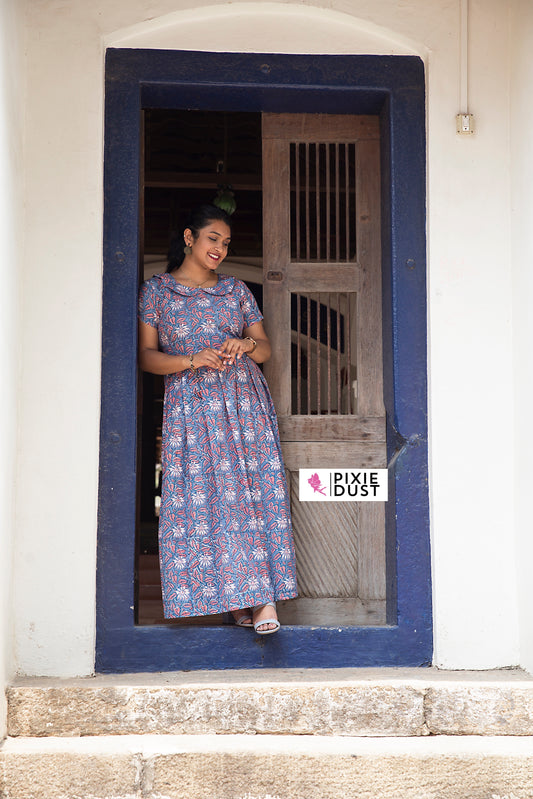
341	702
266	767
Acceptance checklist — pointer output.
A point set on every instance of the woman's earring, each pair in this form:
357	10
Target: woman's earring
187	250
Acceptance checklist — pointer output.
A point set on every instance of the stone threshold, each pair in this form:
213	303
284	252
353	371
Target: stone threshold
322	702
267	767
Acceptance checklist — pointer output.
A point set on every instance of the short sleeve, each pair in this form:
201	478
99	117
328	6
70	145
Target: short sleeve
250	309
148	306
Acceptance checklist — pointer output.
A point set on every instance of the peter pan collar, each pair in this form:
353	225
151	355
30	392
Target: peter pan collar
224	286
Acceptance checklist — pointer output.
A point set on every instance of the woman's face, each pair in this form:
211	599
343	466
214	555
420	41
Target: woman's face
210	247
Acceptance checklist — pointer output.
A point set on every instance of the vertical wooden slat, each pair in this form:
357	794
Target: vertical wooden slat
318	357
348	334
371	533
317	200
309	354
337	204
298	354
297	198
339	355
307	201
342	354
276	243
328	203
347	209
354	210
369	344
328	338
371	538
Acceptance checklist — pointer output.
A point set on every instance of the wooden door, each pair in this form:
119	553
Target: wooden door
322	306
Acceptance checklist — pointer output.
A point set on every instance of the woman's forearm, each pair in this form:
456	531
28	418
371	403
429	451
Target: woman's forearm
160	363
262	352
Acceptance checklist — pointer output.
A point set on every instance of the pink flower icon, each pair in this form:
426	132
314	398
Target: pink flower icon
316	484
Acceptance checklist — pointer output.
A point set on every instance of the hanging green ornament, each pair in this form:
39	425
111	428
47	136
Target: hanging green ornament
225	199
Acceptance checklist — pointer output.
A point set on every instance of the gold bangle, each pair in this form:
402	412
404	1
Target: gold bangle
191	365
254	342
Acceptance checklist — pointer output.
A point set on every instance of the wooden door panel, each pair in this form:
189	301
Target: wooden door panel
332	428
305	277
339	580
326	546
322	300
320	127
333	454
333	611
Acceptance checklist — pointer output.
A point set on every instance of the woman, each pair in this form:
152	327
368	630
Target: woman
225	537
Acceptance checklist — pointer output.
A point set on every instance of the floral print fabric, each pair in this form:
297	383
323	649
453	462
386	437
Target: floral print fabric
225	538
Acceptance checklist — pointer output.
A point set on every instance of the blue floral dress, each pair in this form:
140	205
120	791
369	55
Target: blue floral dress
225	537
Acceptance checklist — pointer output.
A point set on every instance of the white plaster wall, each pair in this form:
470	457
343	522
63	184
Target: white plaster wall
11	89
470	285
471	376
522	257
60	341
284	28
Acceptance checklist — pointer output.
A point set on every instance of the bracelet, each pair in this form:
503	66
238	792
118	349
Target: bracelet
191	365
254	342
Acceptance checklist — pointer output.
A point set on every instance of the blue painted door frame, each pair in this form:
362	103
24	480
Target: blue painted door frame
394	88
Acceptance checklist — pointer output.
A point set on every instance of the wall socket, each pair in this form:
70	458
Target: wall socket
465	123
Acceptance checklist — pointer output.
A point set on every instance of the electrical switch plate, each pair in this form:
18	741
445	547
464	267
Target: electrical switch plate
465	123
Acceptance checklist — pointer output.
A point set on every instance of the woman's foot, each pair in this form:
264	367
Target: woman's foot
243	617
265	619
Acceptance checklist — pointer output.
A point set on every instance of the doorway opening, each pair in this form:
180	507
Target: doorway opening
393	89
188	158
314	181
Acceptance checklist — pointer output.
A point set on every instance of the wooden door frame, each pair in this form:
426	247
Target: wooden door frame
394	88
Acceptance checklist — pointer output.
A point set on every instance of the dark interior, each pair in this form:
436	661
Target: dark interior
188	157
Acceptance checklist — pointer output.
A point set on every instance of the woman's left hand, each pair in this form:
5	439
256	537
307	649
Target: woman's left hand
234	348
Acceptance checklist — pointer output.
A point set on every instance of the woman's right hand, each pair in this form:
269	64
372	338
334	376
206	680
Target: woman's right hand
151	359
208	357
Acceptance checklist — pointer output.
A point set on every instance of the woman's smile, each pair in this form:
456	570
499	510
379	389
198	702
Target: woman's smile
210	247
